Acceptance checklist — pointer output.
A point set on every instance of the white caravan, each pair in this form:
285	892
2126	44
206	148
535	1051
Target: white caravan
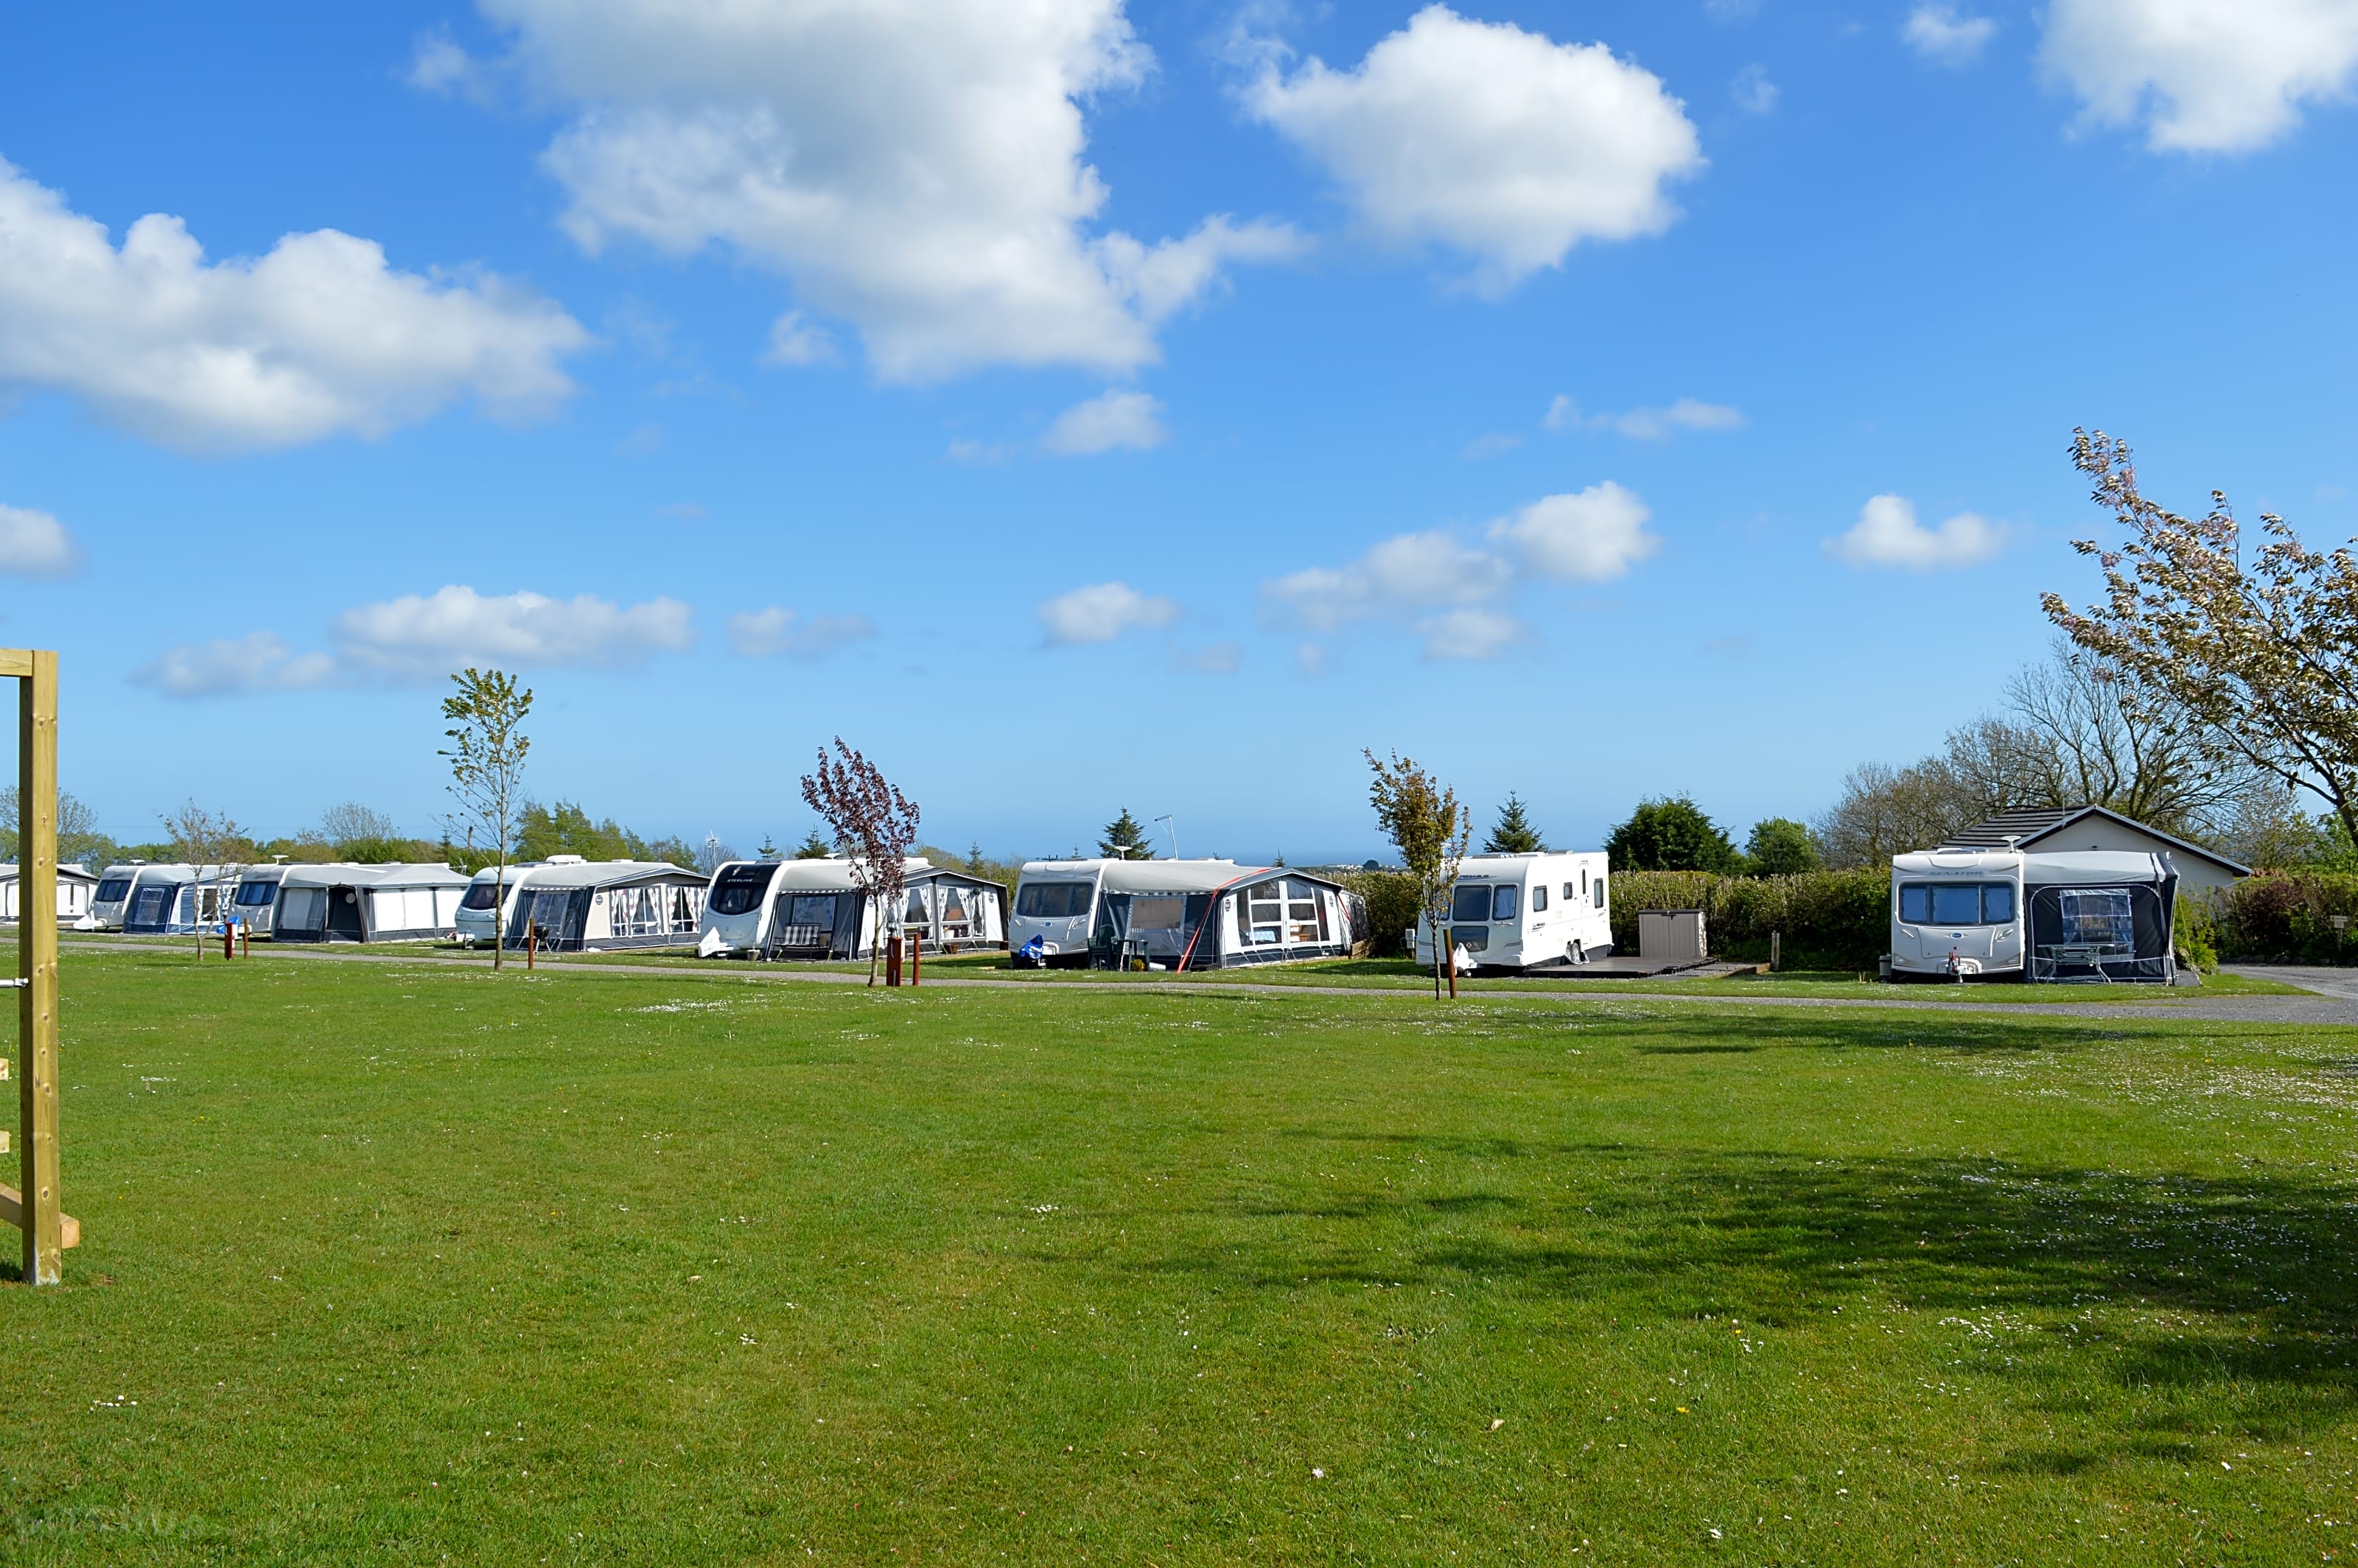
813	909
75	885
164	900
476	923
1519	912
255	904
1180	914
113	894
2095	915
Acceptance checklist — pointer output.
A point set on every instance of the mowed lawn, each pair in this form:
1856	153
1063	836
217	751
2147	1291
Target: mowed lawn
415	1263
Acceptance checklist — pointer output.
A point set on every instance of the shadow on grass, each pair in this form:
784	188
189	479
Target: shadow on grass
2241	1279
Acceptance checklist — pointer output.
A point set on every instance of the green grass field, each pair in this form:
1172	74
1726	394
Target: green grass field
1402	974
412	1263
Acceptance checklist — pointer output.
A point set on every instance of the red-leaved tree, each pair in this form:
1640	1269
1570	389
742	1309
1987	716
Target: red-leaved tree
875	824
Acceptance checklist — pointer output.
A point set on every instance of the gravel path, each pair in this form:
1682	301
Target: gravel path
2334	1005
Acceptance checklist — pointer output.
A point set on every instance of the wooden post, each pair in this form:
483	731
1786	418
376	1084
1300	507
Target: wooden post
1776	952
36	960
916	956
1452	965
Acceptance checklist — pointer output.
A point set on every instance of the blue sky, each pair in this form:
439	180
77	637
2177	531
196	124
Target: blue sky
1090	406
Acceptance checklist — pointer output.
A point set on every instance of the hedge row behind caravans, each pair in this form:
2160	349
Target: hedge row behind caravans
1830	920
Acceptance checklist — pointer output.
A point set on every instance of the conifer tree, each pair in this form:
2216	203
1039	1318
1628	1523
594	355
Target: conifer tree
1514	835
1125	840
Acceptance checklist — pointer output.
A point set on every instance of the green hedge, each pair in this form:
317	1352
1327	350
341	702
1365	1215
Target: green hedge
2282	917
1831	920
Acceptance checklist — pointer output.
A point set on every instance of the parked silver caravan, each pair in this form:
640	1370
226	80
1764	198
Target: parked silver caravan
255	903
109	897
75	885
813	909
2096	916
595	905
164	900
476	923
1175	914
397	902
1518	912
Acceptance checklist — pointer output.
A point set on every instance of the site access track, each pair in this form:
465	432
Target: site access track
2334	1003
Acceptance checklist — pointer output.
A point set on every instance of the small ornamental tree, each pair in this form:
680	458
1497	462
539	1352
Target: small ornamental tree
486	753
1514	834
1125	840
875	823
2261	649
1428	827
206	841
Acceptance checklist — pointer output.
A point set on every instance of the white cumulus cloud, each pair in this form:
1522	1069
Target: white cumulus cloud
34	544
1457	597
796	340
916	169
1495	142
1945	37
2202	75
318	338
1646	424
1116	418
1594	535
420	637
1888	535
759	633
258	662
1102	611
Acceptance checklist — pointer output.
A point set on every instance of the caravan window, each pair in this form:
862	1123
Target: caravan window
1305	912
1053	901
1158	911
1600	890
1539	898
479	895
112	889
1957	903
1261	914
1471	901
2100	916
811	909
1502	906
740	888
253	895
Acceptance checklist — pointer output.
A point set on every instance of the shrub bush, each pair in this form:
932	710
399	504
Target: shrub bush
2285	918
1831	920
1391	908
2196	931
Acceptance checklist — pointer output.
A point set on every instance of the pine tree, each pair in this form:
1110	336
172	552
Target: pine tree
769	847
1514	835
1125	839
813	847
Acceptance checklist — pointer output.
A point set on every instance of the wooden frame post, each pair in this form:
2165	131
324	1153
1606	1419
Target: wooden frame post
37	959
